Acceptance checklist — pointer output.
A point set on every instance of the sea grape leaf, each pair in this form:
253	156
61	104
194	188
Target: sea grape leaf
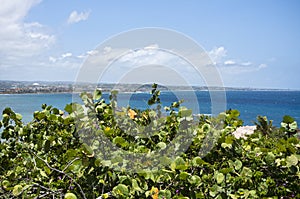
194	179
135	185
288	119
164	194
180	164
120	190
19	116
291	160
270	158
161	145
197	161
238	165
183	175
186	112
220	178
17	190
97	94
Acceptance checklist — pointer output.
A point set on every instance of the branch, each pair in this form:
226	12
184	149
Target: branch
61	172
69	164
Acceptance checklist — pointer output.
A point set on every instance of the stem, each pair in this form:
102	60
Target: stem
61	172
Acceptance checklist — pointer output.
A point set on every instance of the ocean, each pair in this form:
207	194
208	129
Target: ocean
273	104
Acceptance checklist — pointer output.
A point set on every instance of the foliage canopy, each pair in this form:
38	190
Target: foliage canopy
53	155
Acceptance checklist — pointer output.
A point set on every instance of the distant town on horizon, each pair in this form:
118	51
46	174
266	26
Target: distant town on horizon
23	87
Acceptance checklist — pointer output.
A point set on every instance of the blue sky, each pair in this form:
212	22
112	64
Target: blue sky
253	43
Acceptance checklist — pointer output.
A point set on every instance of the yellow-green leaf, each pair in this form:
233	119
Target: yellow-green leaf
17	190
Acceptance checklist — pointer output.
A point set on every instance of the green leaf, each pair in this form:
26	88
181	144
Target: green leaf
161	145
114	92
225	145
246	172
293	126
197	161
97	94
5	184
69	108
214	190
43	174
288	119
194	179
165	160
120	190
180	164
183	175
87	150
55	111
270	158
106	163
76	166
19	116
291	160
186	112
17	190
135	185
238	165
226	170
234	113
7	111
220	178
119	140
166	194
233	196
70	196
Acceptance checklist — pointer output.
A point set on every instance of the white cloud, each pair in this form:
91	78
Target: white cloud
107	49
76	17
229	62
262	66
232	66
152	46
52	59
246	63
66	55
82	56
92	52
217	54
21	40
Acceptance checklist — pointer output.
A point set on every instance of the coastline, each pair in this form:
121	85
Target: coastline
162	91
43	87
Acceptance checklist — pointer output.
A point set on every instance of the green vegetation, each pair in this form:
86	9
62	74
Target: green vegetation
69	154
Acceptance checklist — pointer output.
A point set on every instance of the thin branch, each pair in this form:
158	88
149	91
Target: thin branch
41	196
61	172
69	164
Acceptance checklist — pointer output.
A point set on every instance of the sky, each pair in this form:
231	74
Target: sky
252	44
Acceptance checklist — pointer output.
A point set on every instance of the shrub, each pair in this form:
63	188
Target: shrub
57	154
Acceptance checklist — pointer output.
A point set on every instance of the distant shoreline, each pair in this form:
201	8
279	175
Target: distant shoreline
77	92
39	87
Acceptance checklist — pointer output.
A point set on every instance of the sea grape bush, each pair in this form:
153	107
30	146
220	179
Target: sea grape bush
53	156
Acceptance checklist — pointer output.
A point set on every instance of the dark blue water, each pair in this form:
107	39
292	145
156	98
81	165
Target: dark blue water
273	104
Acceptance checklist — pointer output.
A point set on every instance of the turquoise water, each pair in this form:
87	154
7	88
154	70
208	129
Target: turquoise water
273	104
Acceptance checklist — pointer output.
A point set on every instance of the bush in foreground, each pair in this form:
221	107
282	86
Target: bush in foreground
47	157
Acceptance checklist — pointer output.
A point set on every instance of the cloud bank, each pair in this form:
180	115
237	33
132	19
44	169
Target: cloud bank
17	37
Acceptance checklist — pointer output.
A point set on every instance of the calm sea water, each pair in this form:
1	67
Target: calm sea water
273	104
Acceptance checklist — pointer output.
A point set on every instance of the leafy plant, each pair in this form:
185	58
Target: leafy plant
289	125
264	125
59	154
